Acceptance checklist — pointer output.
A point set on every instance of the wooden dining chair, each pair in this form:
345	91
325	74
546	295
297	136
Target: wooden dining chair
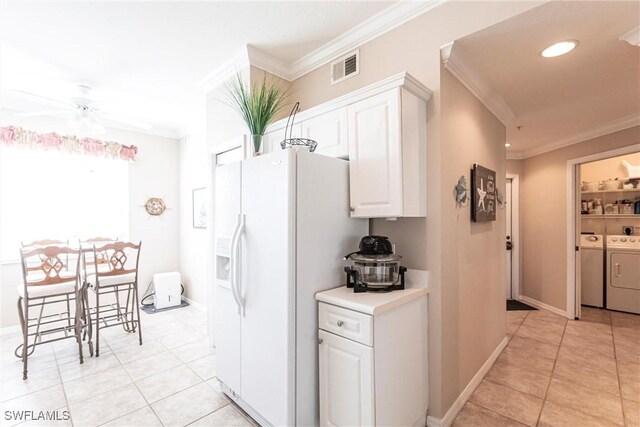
48	281
115	270
33	266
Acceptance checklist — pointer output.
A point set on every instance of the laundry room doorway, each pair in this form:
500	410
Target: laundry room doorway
603	214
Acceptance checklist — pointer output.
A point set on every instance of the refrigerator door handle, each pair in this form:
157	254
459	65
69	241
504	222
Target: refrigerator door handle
235	279
233	253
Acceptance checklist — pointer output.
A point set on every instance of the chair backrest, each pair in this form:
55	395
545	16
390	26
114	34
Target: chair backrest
33	264
43	242
119	258
44	265
91	258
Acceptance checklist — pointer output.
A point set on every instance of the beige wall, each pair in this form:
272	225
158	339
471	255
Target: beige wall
473	253
544	215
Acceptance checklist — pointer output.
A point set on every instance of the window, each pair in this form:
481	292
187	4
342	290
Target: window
55	195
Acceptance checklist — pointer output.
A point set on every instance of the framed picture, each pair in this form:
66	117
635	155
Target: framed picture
483	194
200	208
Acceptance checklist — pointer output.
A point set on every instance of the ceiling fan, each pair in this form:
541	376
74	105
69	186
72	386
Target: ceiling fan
83	112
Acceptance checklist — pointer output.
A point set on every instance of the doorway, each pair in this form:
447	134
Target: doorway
594	200
512	243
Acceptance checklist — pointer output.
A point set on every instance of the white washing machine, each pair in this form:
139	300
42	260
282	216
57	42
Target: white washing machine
623	273
592	270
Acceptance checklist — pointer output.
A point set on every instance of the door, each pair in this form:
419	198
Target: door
329	130
509	240
346	382
375	167
268	274
577	229
226	317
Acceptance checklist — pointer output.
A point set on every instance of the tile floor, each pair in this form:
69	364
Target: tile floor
555	372
169	380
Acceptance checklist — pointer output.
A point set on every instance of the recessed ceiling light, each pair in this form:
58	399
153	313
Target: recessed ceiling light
507	145
559	48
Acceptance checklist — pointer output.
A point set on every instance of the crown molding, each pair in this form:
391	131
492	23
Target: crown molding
264	61
604	129
386	20
477	83
227	70
632	37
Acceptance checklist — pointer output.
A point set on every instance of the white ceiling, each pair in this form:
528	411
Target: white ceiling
592	89
144	59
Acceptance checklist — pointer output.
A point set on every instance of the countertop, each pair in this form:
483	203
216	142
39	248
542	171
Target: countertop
369	302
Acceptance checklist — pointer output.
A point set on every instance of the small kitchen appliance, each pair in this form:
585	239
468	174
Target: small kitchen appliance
375	268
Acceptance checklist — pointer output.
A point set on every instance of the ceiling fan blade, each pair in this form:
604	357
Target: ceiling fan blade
45	100
108	117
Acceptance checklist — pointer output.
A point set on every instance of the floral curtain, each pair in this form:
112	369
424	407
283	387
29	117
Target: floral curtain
16	136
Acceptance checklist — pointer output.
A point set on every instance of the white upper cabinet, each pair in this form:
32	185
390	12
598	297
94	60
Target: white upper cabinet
387	152
382	130
329	130
375	167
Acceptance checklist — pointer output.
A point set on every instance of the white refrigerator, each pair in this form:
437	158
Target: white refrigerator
282	227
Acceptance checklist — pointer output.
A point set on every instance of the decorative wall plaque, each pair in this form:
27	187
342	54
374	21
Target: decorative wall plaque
483	194
155	206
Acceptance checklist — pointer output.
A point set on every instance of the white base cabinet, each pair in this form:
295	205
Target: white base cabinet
373	358
346	382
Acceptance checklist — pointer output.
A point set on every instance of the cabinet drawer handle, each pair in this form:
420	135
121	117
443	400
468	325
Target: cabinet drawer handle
340	323
320	340
352	209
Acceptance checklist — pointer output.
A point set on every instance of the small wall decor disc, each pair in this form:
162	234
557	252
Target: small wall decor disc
155	206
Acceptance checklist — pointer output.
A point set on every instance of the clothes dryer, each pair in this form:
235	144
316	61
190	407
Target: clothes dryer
623	273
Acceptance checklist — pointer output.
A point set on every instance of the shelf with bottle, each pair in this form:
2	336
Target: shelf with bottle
620	190
606	216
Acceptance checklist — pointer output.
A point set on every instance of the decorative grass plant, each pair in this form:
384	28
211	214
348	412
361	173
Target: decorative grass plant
258	105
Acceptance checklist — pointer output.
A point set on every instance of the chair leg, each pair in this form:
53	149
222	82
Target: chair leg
87	310
25	337
68	312
78	316
97	291
135	294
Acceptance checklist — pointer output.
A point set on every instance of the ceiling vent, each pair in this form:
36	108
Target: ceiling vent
345	67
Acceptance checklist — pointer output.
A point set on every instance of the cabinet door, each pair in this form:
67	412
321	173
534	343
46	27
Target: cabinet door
346	382
375	166
329	130
272	140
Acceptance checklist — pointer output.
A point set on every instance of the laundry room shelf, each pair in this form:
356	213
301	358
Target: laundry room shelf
620	190
610	216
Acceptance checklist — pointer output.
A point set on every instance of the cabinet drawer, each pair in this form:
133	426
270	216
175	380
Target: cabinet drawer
346	323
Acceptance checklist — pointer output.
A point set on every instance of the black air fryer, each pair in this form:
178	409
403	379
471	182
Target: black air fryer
375	268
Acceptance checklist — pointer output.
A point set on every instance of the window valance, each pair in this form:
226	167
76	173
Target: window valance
17	136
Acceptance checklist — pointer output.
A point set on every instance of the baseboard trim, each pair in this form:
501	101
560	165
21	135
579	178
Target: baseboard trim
197	305
538	304
7	330
457	406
